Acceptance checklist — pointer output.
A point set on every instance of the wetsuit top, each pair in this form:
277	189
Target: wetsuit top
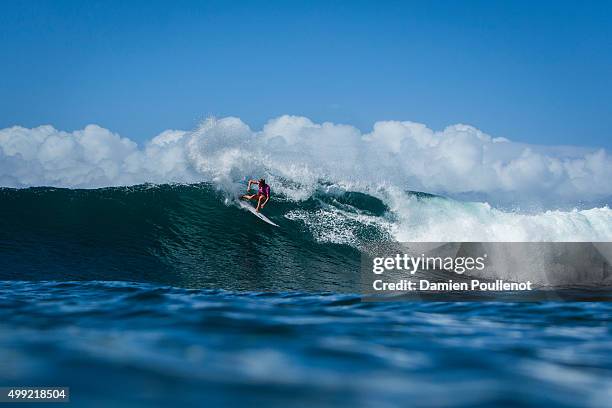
265	190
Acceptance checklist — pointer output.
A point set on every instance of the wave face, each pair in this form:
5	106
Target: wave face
178	235
196	235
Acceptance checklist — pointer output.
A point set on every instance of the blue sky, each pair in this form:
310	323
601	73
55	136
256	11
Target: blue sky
538	72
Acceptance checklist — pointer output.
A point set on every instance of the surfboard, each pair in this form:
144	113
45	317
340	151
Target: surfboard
258	215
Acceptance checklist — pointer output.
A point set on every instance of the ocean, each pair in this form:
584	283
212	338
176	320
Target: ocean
172	295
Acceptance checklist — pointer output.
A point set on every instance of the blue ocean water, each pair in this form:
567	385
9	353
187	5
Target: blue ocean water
129	344
167	295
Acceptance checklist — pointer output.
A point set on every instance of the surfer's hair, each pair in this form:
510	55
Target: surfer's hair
262	181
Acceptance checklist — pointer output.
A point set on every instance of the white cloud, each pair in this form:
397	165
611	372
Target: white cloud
458	160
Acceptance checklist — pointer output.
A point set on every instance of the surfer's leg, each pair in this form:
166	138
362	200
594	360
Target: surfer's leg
259	199
248	196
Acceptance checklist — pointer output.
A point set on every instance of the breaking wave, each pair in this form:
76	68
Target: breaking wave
196	235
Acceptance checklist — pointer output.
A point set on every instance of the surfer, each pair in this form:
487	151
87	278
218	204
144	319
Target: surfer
263	194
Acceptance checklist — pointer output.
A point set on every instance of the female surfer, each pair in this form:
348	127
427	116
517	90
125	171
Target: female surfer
263	194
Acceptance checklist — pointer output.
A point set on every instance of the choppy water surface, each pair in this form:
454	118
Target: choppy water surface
136	344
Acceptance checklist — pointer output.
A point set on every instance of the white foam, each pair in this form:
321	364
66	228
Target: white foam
445	220
334	225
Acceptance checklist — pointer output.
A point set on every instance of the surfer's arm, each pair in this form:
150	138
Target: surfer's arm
251	182
265	201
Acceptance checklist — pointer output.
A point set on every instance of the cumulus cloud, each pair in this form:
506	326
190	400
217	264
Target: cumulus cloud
294	150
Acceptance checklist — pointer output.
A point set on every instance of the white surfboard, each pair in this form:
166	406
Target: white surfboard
257	214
